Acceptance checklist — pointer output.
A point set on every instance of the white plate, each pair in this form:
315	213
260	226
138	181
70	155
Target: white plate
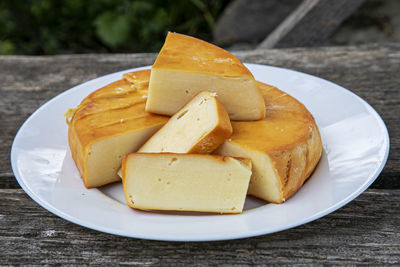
355	141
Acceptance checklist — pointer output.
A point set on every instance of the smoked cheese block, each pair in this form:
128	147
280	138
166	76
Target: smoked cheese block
198	128
186	65
185	182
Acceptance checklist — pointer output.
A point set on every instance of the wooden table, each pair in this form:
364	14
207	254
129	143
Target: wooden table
366	231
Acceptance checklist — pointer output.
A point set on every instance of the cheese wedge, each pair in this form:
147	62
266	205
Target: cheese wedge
199	127
185	182
186	65
284	147
107	125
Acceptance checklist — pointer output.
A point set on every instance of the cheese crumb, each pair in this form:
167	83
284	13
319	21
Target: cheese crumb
220	60
214	94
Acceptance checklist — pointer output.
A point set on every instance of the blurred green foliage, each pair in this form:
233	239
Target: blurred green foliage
35	27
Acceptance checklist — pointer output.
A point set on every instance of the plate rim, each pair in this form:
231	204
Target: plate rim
59	213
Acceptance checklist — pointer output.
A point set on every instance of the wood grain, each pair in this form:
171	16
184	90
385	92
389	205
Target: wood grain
371	71
250	21
364	232
311	23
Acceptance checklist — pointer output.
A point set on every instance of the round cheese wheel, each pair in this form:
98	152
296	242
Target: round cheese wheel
284	147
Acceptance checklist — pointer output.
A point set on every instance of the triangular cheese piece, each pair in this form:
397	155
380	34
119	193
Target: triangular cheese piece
186	65
198	128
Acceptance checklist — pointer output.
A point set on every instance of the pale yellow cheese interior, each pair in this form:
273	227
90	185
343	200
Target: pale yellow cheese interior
170	90
105	155
265	183
185	182
199	127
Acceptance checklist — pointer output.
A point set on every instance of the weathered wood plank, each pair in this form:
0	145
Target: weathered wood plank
369	71
64	71
366	231
386	180
311	23
8	181
251	21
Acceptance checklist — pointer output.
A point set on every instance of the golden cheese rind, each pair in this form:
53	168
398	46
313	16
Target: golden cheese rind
138	79
189	54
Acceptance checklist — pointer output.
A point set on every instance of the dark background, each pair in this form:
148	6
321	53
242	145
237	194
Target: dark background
46	27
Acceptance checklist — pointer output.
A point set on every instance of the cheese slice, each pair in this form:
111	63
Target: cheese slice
185	182
199	127
284	147
186	65
107	125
